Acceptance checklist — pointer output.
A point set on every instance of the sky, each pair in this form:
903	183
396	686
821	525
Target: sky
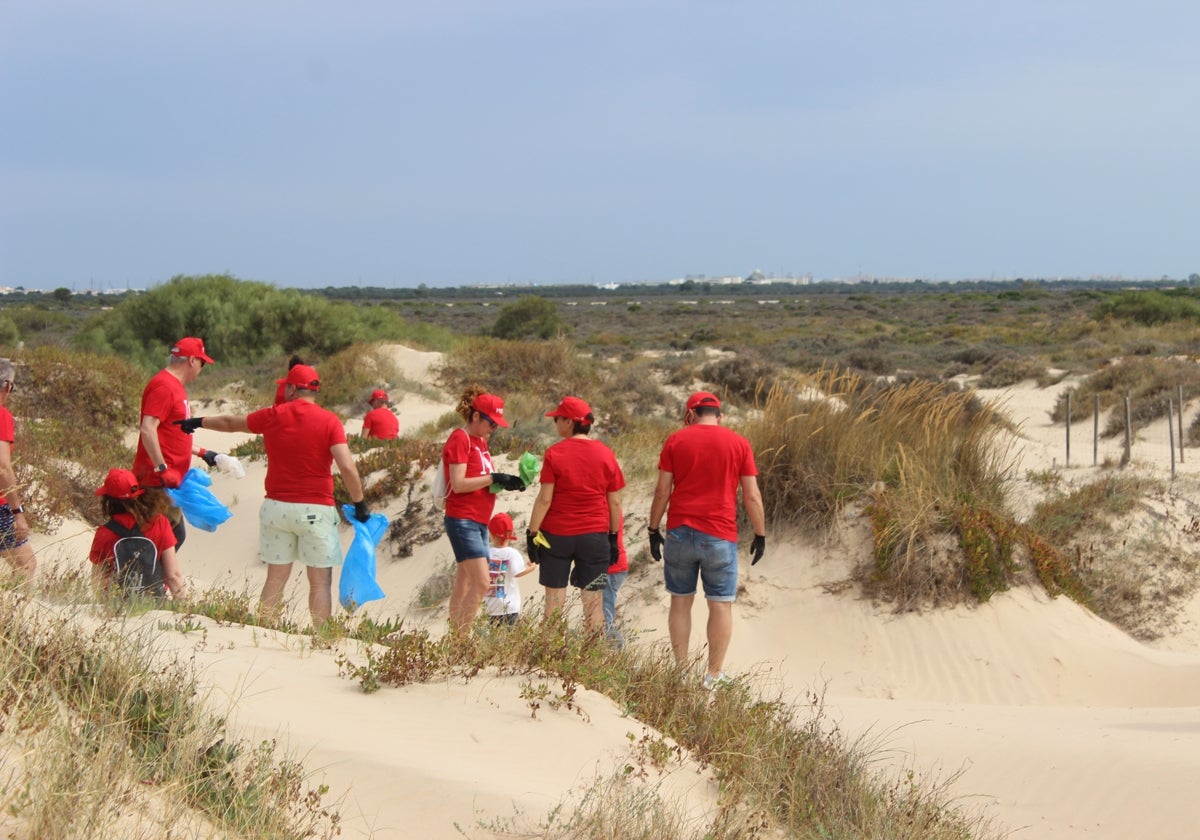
456	142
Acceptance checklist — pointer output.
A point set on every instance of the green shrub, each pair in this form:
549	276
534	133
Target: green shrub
529	317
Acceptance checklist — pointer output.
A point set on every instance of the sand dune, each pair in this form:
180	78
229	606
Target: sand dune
1057	724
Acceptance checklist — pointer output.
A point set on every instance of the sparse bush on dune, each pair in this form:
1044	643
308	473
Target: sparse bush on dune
930	461
73	412
543	370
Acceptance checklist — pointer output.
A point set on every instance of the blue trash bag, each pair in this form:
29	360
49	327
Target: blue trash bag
200	507
357	585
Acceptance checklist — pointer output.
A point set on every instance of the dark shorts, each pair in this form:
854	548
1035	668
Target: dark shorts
587	553
468	538
8	532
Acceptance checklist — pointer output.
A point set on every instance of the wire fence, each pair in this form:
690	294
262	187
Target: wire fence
1174	421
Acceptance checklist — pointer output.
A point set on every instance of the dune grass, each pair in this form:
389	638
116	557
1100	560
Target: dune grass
99	739
783	767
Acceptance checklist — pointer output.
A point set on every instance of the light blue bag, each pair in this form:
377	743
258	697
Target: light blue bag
356	584
200	507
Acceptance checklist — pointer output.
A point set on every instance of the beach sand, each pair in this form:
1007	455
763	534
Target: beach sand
1037	713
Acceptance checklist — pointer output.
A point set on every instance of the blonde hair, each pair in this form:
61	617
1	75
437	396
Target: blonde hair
466	403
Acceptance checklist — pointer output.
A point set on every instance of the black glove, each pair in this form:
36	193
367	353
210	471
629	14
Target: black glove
209	457
360	511
656	545
508	481
614	553
189	425
757	546
531	548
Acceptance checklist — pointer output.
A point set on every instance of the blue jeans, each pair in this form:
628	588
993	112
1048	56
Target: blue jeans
615	579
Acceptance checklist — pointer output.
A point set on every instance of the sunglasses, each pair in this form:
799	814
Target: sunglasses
12	386
489	420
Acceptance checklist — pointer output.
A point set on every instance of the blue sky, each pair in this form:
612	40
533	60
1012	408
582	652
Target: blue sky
492	141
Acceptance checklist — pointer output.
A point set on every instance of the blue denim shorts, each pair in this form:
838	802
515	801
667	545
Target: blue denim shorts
690	554
8	530
468	538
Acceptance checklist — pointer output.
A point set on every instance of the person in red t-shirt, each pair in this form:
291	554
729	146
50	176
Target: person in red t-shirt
469	503
380	423
164	453
578	509
700	469
298	522
124	500
14	528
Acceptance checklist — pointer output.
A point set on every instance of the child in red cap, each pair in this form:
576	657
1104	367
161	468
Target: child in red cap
126	504
505	565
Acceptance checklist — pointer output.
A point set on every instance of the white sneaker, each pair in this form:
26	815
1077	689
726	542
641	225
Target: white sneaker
712	682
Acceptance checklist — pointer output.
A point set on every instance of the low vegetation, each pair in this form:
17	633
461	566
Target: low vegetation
847	398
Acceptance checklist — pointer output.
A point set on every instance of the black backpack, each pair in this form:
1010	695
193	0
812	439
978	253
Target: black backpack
135	562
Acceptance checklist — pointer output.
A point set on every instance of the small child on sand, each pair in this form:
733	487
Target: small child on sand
505	565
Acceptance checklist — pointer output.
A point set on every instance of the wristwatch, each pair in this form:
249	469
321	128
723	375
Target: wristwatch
161	468
18	509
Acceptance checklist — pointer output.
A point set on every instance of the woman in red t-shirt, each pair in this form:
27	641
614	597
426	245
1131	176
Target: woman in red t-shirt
579	510
122	499
469	474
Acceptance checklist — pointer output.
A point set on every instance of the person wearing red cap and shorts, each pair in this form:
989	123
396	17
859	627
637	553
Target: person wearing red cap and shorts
298	522
164	453
700	469
380	423
505	565
125	502
578	510
469	502
14	527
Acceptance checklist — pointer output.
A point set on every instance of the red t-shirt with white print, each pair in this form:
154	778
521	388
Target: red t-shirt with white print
462	448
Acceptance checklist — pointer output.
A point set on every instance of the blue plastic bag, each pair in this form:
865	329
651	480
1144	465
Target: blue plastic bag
357	584
200	507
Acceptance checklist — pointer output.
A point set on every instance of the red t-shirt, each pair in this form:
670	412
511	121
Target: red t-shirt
462	448
8	435
165	398
622	564
583	472
381	423
707	463
157	530
281	393
298	436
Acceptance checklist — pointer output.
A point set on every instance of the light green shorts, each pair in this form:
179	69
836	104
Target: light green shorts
289	532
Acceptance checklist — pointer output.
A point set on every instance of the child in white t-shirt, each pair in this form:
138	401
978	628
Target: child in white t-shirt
505	565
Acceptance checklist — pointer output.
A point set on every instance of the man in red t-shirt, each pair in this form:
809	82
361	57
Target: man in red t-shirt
164	453
298	522
700	469
380	423
14	528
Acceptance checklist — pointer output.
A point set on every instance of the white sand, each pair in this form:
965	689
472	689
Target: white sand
1057	724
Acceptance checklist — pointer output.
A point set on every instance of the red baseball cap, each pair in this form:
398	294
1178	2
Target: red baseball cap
120	484
303	377
572	408
702	398
502	526
378	394
492	406
191	347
